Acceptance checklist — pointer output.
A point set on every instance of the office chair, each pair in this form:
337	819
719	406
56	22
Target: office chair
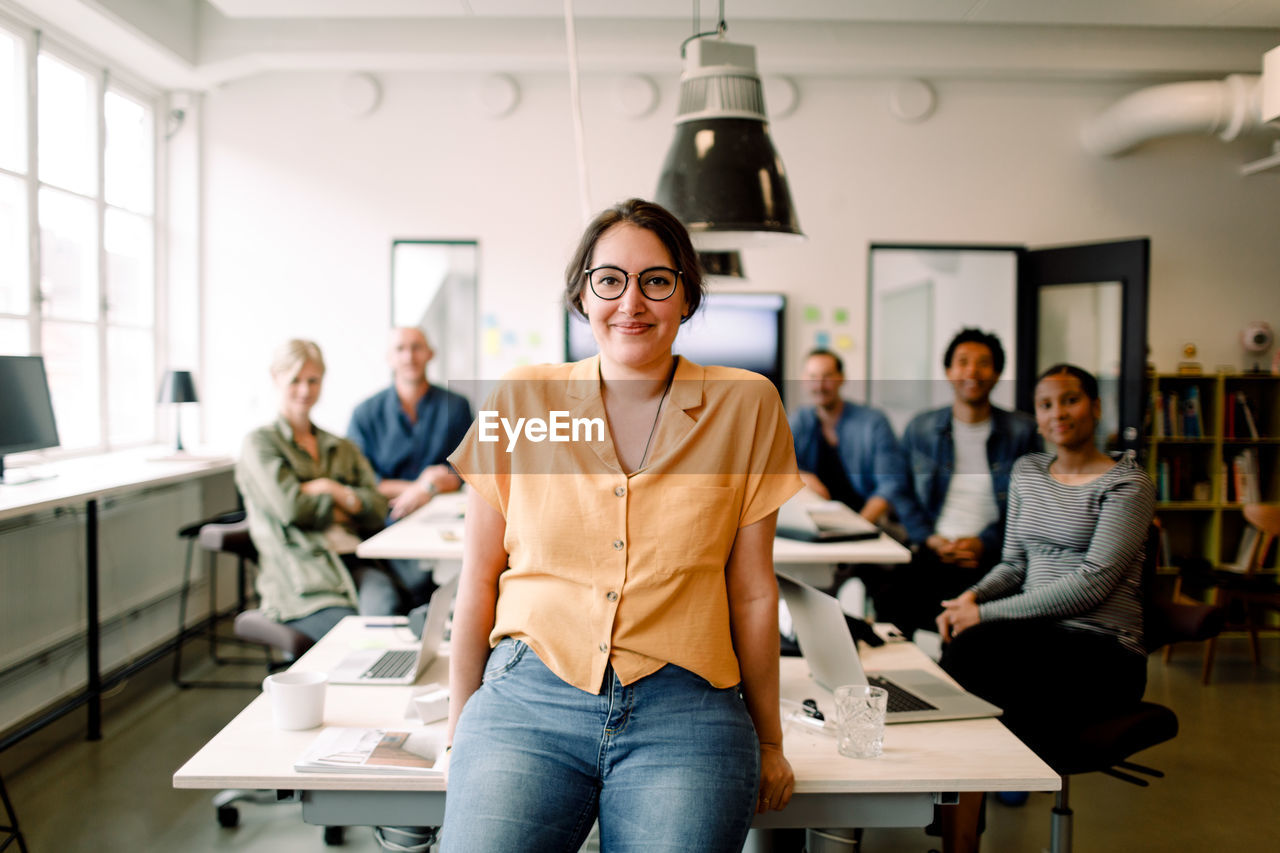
1107	745
1246	595
9	832
227	533
253	626
229	816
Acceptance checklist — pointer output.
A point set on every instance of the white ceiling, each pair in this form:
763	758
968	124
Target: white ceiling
1171	13
196	44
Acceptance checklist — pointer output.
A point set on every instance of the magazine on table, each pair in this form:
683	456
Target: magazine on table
360	750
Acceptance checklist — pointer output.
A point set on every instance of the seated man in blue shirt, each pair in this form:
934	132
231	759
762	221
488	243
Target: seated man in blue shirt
960	458
407	431
845	451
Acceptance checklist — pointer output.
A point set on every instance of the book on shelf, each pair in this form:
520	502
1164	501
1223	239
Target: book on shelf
1245	418
1244	477
1244	554
360	750
1192	416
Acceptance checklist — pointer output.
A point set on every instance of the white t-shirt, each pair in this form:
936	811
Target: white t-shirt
970	504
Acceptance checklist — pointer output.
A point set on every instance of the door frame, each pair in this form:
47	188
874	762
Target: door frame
1125	261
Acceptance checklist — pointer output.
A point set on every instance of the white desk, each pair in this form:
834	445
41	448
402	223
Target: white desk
434	532
88	480
921	761
95	477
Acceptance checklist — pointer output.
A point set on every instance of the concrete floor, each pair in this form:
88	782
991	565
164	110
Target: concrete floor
1221	790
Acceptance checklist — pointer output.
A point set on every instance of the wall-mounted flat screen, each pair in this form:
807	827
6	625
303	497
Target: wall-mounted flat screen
26	411
732	329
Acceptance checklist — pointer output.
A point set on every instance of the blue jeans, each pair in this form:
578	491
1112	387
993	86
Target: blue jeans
668	763
316	625
388	587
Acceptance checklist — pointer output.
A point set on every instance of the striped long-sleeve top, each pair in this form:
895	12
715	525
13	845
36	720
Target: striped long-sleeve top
1073	553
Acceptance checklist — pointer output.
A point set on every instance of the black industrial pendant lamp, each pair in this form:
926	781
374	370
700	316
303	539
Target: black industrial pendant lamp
724	264
722	176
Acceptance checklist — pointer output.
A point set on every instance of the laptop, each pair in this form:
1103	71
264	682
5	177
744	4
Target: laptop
915	695
403	663
811	520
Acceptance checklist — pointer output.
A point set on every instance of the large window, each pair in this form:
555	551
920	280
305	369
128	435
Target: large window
78	180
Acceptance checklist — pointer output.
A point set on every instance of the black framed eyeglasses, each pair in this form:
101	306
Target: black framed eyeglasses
656	283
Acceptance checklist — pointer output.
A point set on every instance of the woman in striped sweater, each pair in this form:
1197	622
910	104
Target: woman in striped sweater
1053	633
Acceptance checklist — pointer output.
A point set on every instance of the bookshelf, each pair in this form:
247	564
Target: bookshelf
1213	442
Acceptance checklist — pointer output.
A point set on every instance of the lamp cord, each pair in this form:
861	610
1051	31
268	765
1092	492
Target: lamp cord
721	26
575	99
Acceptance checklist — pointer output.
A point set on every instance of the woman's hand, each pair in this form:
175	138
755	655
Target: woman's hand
318	486
777	780
958	614
346	503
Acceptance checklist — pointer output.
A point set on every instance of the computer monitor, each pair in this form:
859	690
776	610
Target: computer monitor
732	329
26	410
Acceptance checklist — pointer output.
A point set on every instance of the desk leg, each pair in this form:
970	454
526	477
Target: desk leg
92	631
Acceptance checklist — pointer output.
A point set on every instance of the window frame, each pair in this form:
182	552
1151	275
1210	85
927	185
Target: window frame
35	41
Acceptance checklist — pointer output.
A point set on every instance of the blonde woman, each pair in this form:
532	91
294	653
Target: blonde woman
310	497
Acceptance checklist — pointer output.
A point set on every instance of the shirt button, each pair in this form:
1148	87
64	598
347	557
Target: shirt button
611	595
620	491
604	647
618	544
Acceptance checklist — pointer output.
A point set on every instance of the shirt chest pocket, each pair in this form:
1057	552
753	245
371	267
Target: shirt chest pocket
695	529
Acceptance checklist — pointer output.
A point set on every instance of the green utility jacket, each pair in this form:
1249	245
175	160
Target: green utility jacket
300	572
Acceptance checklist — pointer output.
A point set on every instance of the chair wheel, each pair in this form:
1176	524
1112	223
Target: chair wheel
333	836
228	817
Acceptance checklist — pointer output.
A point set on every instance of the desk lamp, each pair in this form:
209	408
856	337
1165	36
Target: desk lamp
177	387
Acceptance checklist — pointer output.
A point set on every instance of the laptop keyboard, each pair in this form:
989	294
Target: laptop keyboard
392	664
899	699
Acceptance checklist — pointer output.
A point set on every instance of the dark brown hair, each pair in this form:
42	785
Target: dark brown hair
1088	384
651	217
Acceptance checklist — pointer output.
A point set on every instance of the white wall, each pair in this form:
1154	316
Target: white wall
302	203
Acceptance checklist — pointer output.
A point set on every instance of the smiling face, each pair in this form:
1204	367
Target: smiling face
408	355
299	392
823	380
972	373
1065	415
634	333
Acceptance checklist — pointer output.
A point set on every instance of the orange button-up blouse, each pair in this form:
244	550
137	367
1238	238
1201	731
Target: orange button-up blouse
606	568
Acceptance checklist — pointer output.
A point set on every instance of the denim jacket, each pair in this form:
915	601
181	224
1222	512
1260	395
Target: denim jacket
930	451
873	460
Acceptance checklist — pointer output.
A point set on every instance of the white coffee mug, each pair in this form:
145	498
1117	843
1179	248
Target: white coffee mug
297	698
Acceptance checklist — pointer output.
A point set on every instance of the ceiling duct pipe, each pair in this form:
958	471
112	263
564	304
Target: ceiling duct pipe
1227	108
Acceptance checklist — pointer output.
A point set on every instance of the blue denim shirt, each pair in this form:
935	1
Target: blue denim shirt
873	460
400	450
930	452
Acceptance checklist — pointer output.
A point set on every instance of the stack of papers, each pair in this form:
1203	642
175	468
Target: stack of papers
357	750
822	521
